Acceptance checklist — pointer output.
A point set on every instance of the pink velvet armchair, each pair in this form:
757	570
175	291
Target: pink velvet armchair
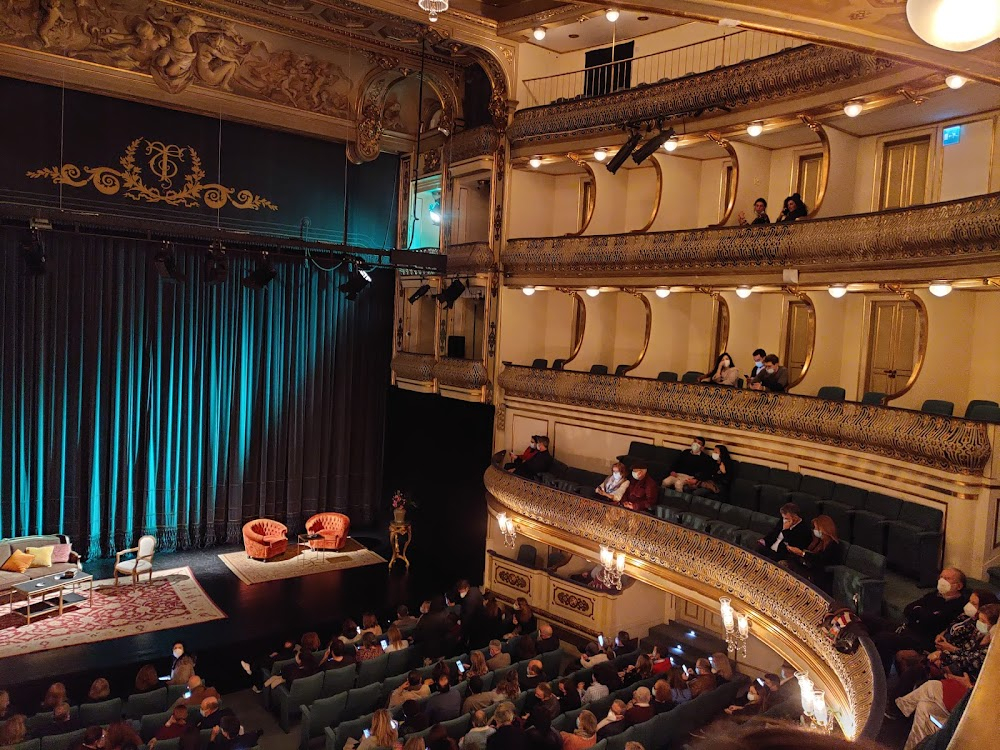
265	538
332	528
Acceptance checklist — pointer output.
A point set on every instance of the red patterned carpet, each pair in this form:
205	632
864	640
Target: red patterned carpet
173	599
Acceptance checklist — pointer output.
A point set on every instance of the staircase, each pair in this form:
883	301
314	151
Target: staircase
684	643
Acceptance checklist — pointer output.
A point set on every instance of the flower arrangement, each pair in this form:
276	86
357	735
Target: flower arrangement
401	501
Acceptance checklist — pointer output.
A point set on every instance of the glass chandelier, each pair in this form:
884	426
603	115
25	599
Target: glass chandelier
433	7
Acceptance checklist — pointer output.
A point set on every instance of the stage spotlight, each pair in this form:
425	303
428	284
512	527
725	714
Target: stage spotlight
33	252
166	265
653	143
420	292
261	276
216	265
623	153
452	293
434	210
358	279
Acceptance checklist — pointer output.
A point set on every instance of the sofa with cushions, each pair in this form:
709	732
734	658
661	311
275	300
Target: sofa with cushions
49	554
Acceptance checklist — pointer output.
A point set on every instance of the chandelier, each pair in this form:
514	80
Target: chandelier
506	525
817	716
433	7
737	627
613	566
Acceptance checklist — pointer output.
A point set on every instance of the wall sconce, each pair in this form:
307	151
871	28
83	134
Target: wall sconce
614	566
806	691
508	530
737	627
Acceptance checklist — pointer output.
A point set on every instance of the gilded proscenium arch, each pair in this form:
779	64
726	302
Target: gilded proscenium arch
721	317
785	611
824	169
922	322
657	197
579	323
649	327
591	198
806	300
731	198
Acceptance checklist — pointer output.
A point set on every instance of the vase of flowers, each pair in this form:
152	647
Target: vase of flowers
400	504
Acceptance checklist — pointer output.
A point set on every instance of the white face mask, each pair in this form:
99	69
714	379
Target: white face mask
695	448
982	627
725	363
770	370
717	456
943	587
617	475
635	474
758	362
178	653
533	445
752	697
970	610
817	533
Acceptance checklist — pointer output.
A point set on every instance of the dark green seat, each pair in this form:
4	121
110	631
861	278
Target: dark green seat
721	530
874	398
745	493
667	377
832	393
977	402
695	521
809	505
761	523
790	480
772	497
363	700
150	724
140	704
402	661
101	713
860	580
63	741
338	680
756	473
869	524
302	691
748	539
35	744
373	670
346	730
913	542
817	486
986	413
324	712
666	513
691	377
735	515
705	506
598	369
459	727
845	500
617	741
937	406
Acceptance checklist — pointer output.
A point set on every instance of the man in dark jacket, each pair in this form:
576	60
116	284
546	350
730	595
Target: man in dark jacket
546	641
792	531
539	463
642	492
509	736
690	466
433	629
445	704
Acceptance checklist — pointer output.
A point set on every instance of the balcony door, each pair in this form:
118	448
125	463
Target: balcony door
904	173
892	345
798	339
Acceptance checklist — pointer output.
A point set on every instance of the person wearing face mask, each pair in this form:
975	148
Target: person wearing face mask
614	723
758	701
613	488
690	467
701	680
176	654
924	619
717	485
539	463
758	363
790	531
969	660
642	492
530	451
725	372
813	561
774	377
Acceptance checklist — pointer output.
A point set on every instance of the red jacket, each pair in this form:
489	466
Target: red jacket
641	494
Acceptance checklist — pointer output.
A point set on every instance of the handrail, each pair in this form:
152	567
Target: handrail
680	62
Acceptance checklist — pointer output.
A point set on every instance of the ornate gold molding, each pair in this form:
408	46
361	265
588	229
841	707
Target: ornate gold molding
592	197
470	258
460	373
790	73
967	229
783	606
946	443
468	144
579	326
414	366
824	170
657	198
648	329
718	140
806	300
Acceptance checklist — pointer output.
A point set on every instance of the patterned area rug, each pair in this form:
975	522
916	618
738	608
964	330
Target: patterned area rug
172	599
299	562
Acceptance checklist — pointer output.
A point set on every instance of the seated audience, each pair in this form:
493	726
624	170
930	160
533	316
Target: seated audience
613	488
477	698
822	552
722	668
509	686
934	698
146	679
595	691
211	714
524	648
491	621
414	719
394	640
445	704
120	735
100	690
689	467
475	738
254	666
774	378
758	701
716	485
350	632
625	644
338	655
793	209
55	695
498	657
614	723
370	648
969	660
661	663
6	708
434	628
592	654
640	708
404	620
543	698
641	670
303	666
663	699
174	727
509	735
93	739
232	736
758	364
568	695
197	691
724	372
701	680
13	731
923	618
524	620
539	734
62	721
182	671
642	492
534	675
539	463
546	640
790	530
760	214
369	624
585	734
530	451
477	666
382	733
412	689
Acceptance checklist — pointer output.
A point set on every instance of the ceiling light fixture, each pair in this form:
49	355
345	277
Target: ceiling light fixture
955	81
671	144
854	107
593	291
433	7
539	33
954	25
939	288
611	14
528	290
755	128
837	290
662	292
743	291
535	162
600	154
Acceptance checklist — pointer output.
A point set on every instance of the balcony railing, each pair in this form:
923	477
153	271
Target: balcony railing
470	257
658	67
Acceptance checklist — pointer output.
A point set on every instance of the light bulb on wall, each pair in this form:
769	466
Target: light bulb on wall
743	292
662	292
528	290
538	33
755	128
611	14
955	81
854	107
955	25
837	290
670	144
939	288
593	291
600	154
535	162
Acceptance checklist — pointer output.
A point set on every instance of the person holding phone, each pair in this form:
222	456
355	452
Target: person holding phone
382	733
593	653
931	704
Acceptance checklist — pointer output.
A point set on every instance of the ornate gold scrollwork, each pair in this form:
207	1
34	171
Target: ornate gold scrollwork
811	325
470	258
649	328
580	316
414	366
573	601
824	169
731	197
591	196
656	198
460	373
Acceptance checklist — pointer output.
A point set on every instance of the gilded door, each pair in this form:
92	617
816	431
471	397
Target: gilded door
798	339
892	346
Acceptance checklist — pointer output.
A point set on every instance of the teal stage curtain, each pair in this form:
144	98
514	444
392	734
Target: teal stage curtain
132	405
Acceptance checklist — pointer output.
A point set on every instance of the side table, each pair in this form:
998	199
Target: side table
400	536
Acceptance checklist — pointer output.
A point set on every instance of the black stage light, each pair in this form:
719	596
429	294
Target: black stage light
650	146
420	292
216	266
261	276
619	158
166	265
358	278
452	293
33	252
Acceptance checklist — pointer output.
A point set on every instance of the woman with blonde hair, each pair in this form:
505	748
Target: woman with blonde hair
55	695
721	666
822	552
478	666
509	687
396	641
13	730
585	734
100	690
415	743
381	734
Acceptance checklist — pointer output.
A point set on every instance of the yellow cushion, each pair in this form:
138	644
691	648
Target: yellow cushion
18	562
43	556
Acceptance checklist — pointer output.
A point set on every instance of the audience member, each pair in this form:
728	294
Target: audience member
382	732
303	666
722	668
822	552
445	704
146	679
524	620
774	378
472	606
614	723
689	467
962	633
62	721
370	648
789	689
493	625
509	686
724	372
477	697
640	708
197	690
716	485
642	492
100	690
641	670
568	695
509	735
177	653
539	463
174	726
434	629
969	660
394	640
524	648
232	736
543	698
350	632
498	657
534	675
369	624
546	640
700	681
758	701
13	730
934	699
613	488
476	738
758	364
55	695
93	739
477	666
254	666
404	620
661	663
539	734
6	708
183	671
121	736
414	719
530	451
760	214
592	654
663	699
337	655
211	714
793	209
412	689
790	531
415	743
585	734
625	644
595	691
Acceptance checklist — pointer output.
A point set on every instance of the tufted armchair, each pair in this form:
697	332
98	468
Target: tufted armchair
332	528
265	538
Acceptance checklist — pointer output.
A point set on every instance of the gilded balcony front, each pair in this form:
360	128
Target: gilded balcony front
470	258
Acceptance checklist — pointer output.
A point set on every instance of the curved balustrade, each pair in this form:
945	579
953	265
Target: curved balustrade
962	230
470	258
424	368
414	366
787	611
468	144
947	443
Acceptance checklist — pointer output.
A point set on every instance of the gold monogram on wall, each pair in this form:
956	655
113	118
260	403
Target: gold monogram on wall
177	169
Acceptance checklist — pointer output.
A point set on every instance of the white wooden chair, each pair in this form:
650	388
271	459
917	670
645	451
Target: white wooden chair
140	564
